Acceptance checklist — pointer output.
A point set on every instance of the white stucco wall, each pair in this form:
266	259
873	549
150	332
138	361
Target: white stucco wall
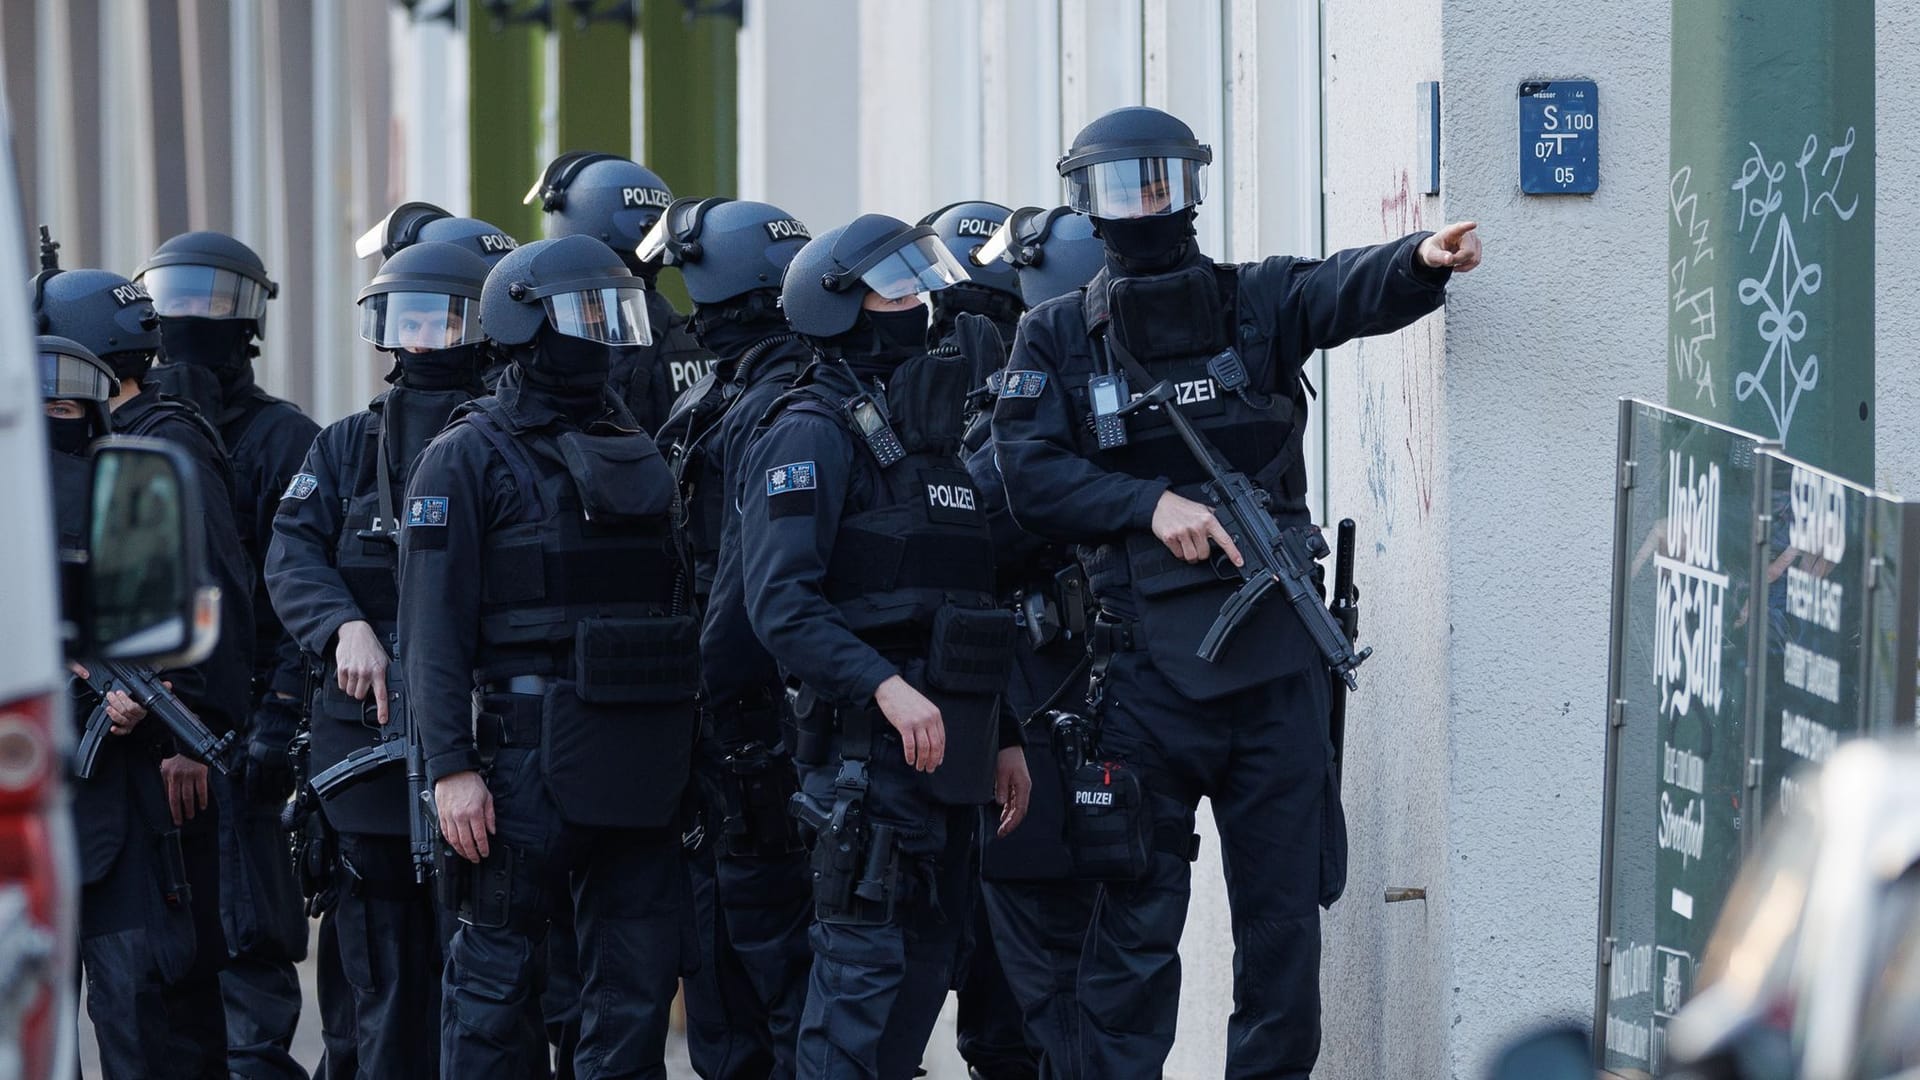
1897	251
1568	314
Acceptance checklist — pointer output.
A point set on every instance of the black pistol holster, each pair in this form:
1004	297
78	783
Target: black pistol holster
758	784
856	861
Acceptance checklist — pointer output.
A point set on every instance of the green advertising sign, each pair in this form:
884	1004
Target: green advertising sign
1771	222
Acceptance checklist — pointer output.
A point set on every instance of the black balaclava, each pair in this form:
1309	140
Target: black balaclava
204	360
70	435
972	299
427	387
731	327
564	363
457	368
902	330
1148	245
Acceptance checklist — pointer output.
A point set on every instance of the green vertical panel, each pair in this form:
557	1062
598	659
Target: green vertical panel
503	118
691	98
1771	222
595	101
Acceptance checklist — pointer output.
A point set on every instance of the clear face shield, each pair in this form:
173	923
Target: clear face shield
204	292
1136	187
678	226
65	377
611	316
420	321
921	265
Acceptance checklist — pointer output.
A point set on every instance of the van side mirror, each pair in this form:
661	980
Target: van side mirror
146	597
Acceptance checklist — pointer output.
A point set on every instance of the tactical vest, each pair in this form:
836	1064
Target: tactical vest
586	592
1255	430
912	574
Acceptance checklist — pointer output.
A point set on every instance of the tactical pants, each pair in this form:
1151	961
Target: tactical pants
766	904
875	991
1264	759
196	1017
266	932
560	991
728	1037
626	891
130	942
340	1043
390	940
988	1029
1038	930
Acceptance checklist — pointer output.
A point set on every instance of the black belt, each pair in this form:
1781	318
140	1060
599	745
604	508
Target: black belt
519	684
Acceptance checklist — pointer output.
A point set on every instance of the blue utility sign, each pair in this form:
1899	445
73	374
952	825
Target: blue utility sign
1559	137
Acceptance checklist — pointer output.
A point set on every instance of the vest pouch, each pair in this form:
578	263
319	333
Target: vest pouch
648	661
620	478
1109	827
1162	316
1179	600
971	650
621	767
972	723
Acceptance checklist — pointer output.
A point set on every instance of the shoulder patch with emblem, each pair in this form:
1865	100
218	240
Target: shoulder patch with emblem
427	510
1023	384
301	486
797	476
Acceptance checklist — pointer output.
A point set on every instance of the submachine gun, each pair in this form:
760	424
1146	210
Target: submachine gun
145	688
399	744
1273	557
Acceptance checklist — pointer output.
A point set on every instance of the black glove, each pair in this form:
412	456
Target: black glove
269	777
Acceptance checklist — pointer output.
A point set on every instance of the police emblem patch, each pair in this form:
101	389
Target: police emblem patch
427	510
301	486
1023	384
797	476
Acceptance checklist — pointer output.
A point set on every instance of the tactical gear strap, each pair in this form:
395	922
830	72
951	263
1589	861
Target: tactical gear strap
534	507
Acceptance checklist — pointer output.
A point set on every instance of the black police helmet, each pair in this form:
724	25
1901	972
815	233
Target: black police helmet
412	222
826	282
725	248
511	303
70	372
1053	251
612	199
109	316
1134	162
965	227
426	296
208	275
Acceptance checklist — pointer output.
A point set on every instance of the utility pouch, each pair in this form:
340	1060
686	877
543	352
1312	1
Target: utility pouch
489	900
620	478
637	661
1178	602
621	767
971	651
757	785
1163	316
314	852
1109	827
452	877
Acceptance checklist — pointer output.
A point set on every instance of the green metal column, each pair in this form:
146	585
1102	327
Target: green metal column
1771	223
691	98
595	106
503	119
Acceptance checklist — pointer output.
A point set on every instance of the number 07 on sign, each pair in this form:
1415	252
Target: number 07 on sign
1559	137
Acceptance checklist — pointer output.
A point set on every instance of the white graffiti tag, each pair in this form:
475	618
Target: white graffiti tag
1690	359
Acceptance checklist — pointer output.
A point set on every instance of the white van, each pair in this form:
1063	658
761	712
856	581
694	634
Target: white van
38	899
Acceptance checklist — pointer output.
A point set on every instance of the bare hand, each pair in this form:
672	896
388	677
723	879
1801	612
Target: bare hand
186	784
1186	526
123	713
923	734
1012	788
466	813
1457	246
361	662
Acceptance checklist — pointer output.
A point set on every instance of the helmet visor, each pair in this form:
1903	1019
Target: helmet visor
654	244
921	265
204	292
65	377
1136	187
420	321
612	316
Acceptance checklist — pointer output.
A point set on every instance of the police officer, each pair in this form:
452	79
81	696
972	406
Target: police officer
616	201
331	572
750	891
869	577
538	572
114	319
413	222
136	931
1018	1015
1249	731
211	292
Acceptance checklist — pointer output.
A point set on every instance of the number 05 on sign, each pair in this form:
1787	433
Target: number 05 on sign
1559	137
